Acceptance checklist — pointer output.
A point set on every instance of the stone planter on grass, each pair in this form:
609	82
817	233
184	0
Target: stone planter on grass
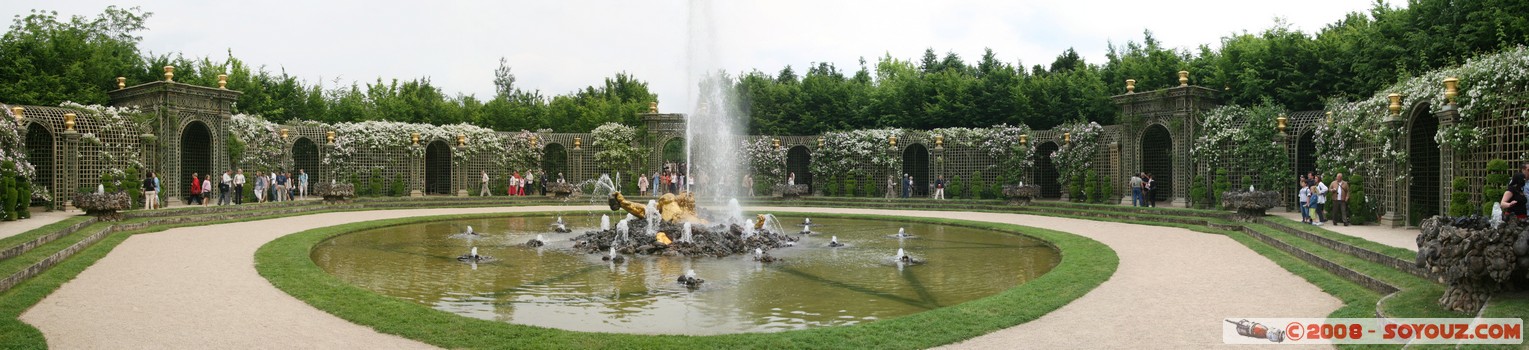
1021	194
1250	205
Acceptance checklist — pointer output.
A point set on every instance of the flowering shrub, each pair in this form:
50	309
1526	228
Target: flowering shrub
11	148
122	149
615	144
1075	159
1014	160
380	135
1243	139
768	161
843	152
263	147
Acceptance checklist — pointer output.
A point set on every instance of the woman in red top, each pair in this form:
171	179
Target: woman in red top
196	190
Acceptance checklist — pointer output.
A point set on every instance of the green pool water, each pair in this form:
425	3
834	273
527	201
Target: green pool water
555	286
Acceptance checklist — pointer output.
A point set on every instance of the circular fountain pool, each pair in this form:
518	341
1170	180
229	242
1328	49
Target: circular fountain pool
555	286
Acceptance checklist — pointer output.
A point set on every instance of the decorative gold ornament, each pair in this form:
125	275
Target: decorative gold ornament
329	135
1451	86
169	73
414	139
461	140
284	133
1067	137
892	140
578	143
1024	139
939	141
223	81
1130	86
820	141
775	142
1281	121
1329	118
653	107
17	111
1396	104
1183	78
68	121
533	141
121	83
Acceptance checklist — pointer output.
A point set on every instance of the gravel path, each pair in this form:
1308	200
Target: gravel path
197	288
39	219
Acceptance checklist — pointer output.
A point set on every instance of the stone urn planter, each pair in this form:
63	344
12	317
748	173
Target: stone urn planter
789	191
106	206
1021	194
336	192
560	190
1250	205
1473	259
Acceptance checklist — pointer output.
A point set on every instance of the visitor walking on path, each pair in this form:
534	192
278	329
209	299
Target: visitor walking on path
791	180
530	185
655	184
642	184
281	186
1340	200
302	183
1149	188
1136	195
150	192
206	186
891	186
223	187
260	185
1319	192
1516	195
1304	198
748	184
239	186
483	189
907	185
939	187
196	190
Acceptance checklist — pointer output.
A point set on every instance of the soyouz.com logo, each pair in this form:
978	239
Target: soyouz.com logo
1236	330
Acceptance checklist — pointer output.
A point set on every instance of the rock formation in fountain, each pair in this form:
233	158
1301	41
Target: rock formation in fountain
536	242
1473	259
690	280
704	237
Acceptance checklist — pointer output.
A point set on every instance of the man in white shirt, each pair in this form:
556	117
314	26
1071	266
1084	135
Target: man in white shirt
1321	193
223	187
239	186
483	191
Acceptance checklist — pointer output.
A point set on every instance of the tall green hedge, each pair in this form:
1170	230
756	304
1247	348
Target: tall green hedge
1498	174
1460	199
1223	184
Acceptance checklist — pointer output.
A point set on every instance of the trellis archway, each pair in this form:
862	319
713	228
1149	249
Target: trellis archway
40	153
1305	153
438	168
1157	159
196	152
305	157
1423	156
799	162
1045	171
554	160
916	163
674	150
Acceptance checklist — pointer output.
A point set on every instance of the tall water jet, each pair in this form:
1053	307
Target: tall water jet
713	128
685	235
605	222
900	254
653	219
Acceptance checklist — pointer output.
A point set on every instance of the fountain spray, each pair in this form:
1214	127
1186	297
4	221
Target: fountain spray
475	253
605	222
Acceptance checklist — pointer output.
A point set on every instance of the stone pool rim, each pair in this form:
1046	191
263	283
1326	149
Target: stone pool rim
1083	264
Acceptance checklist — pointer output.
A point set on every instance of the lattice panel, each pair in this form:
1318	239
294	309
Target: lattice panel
1505	135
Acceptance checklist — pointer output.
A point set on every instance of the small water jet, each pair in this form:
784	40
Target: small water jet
536	242
605	222
613	257
835	242
473	256
560	226
690	280
902	233
902	258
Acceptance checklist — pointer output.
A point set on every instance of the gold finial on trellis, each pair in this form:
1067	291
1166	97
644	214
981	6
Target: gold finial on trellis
821	141
461	140
1396	104
283	133
653	107
578	143
1067	137
68	121
223	81
939	141
121	83
533	141
775	142
1024	138
414	139
1130	86
329	135
1183	78
169	73
1451	86
892	140
1329	118
1281	121
17	111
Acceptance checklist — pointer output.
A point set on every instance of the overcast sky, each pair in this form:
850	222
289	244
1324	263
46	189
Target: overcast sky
560	46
